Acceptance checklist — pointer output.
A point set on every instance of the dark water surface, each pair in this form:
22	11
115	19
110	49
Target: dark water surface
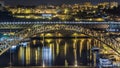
51	52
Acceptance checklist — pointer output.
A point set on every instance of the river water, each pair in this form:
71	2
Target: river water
51	52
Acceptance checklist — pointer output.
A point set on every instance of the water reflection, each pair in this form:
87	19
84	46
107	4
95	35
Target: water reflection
47	56
55	52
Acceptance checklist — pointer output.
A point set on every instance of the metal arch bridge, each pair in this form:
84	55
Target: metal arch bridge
35	29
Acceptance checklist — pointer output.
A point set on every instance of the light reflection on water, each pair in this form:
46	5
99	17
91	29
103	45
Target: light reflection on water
55	52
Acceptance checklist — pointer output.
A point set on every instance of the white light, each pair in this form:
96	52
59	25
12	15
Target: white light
43	65
24	43
13	47
75	65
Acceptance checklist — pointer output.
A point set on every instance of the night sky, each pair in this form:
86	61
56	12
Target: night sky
55	2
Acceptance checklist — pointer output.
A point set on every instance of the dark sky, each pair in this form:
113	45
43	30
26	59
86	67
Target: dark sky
38	2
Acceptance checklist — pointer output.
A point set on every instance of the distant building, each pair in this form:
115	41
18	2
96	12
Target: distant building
108	4
104	5
114	4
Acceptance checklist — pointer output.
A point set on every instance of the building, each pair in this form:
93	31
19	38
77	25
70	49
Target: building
113	4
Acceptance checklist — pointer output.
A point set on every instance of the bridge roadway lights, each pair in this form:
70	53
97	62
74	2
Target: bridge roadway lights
25	22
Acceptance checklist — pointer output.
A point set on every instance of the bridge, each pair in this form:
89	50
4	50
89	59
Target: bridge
17	26
33	28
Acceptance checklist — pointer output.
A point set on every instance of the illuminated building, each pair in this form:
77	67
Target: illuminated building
113	4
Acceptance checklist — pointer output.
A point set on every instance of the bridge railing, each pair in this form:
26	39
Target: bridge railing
67	22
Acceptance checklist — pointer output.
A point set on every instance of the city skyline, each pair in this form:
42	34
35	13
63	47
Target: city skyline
54	2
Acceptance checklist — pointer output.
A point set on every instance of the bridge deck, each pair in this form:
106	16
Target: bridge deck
59	22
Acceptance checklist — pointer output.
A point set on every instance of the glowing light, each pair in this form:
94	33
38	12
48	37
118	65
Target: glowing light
90	19
24	43
20	16
75	34
77	19
81	47
66	63
65	49
28	50
94	11
29	29
57	50
46	56
43	64
75	65
100	19
48	34
34	42
21	55
28	17
4	34
66	11
12	33
13	47
48	40
36	56
59	34
42	34
28	11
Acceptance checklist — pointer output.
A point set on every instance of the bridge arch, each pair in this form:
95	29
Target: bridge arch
36	29
91	33
47	28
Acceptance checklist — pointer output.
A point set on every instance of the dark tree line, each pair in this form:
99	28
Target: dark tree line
5	15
